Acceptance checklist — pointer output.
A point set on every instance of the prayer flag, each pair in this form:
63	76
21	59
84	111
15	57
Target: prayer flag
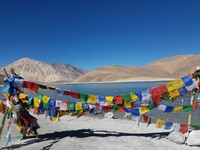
143	110
118	100
174	93
45	99
92	99
183	91
177	127
8	136
36	102
195	127
159	123
187	108
162	89
151	105
83	97
187	80
135	111
162	107
146	118
127	97
42	86
137	103
169	109
71	106
134	97
149	122
178	108
109	99
128	104
18	83
79	106
183	128
168	125
195	105
59	91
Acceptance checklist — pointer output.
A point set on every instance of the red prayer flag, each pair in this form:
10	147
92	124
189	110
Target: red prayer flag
195	105
30	85
183	128
74	94
154	92
107	108
157	100
66	93
162	89
118	100
146	118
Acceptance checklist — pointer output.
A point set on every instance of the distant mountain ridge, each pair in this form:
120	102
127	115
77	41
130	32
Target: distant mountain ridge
39	71
172	67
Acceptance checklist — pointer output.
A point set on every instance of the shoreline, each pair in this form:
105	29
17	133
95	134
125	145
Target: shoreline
105	82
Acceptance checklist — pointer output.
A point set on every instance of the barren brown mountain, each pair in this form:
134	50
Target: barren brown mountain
173	67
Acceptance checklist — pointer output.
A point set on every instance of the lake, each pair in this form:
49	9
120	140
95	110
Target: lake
119	88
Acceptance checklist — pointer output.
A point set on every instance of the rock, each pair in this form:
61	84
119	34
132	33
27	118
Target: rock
194	138
177	137
109	115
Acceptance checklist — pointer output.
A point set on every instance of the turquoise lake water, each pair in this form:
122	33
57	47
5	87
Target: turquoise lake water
111	89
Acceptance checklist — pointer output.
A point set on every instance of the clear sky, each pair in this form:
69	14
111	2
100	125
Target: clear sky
95	33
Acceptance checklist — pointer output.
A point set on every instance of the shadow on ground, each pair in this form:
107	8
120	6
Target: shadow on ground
54	137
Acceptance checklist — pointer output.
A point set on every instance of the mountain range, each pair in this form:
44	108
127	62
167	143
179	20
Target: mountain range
172	67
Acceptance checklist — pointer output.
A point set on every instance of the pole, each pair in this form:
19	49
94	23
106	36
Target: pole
190	114
4	117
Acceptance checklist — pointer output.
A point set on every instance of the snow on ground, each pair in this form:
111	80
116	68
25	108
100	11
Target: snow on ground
87	133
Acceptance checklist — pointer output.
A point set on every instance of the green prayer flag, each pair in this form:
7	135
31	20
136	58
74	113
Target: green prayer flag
45	105
165	96
149	122
197	75
115	107
195	127
83	97
187	108
42	86
127	97
39	96
71	106
151	105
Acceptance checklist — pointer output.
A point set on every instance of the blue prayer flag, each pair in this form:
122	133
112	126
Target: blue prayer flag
187	80
168	125
135	112
169	109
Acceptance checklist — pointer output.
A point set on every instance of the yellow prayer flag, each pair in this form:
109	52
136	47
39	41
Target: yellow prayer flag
36	102
109	99
92	99
1	107
178	83
134	97
170	86
178	108
5	95
51	87
128	104
62	113
79	106
143	110
174	94
160	123
22	95
54	119
45	99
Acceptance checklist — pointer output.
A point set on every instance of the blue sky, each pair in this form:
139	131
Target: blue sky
95	33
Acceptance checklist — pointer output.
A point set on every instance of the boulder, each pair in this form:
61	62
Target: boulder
177	137
194	138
